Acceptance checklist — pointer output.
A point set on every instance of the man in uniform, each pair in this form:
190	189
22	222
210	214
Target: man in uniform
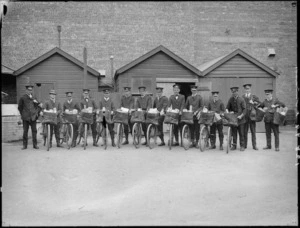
237	105
269	105
161	103
250	100
216	105
177	101
29	109
196	101
145	103
70	105
53	104
127	101
106	104
87	102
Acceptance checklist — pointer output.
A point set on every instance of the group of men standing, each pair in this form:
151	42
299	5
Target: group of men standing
30	109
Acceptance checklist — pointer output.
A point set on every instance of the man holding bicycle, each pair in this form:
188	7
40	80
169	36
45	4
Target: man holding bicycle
250	100
127	101
144	102
195	101
161	103
107	105
237	105
216	105
177	101
70	105
88	102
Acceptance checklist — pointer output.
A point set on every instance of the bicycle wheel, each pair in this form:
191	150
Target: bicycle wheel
120	133
136	134
151	135
85	136
170	142
69	135
229	139
48	136
186	137
203	138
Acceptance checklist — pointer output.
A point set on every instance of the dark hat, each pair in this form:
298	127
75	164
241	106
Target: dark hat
127	88
248	84
68	92
215	92
85	90
268	91
176	85
52	91
142	87
194	87
159	88
27	86
106	91
234	87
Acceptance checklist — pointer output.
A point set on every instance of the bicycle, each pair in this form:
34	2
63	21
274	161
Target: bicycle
206	119
67	128
171	118
137	118
152	129
230	120
85	120
48	119
121	118
187	118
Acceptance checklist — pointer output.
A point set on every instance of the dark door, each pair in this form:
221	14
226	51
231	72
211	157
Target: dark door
185	88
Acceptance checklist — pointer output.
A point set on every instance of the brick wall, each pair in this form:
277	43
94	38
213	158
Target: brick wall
196	31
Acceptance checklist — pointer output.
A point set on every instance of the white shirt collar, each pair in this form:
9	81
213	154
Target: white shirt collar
106	98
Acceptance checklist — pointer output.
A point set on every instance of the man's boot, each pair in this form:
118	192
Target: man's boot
113	140
94	142
126	140
221	146
24	145
162	141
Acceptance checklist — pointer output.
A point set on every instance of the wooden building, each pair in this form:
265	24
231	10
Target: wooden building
158	67
238	68
57	70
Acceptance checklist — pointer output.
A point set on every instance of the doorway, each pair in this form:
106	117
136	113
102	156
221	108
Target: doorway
185	88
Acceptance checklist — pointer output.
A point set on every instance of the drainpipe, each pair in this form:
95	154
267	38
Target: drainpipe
112	72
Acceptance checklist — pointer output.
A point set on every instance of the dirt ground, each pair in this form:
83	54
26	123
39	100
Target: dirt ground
131	186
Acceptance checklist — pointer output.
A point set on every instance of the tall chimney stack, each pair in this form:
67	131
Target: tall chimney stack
59	30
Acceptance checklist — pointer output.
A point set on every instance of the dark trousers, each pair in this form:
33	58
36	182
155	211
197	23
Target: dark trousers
195	130
26	125
241	131
144	127
252	125
127	128
75	132
213	129
269	127
54	129
160	127
176	128
110	128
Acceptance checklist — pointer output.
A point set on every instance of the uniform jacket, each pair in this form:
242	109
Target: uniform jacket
217	106
145	103
177	103
49	104
87	104
127	102
269	116
71	106
28	109
238	106
109	104
161	103
195	101
249	106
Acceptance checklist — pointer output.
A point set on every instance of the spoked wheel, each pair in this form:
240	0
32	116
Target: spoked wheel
151	135
171	138
48	136
229	139
136	134
186	137
69	135
203	138
85	136
120	134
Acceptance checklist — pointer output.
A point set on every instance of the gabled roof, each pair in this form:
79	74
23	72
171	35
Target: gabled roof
153	52
55	50
213	64
6	70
